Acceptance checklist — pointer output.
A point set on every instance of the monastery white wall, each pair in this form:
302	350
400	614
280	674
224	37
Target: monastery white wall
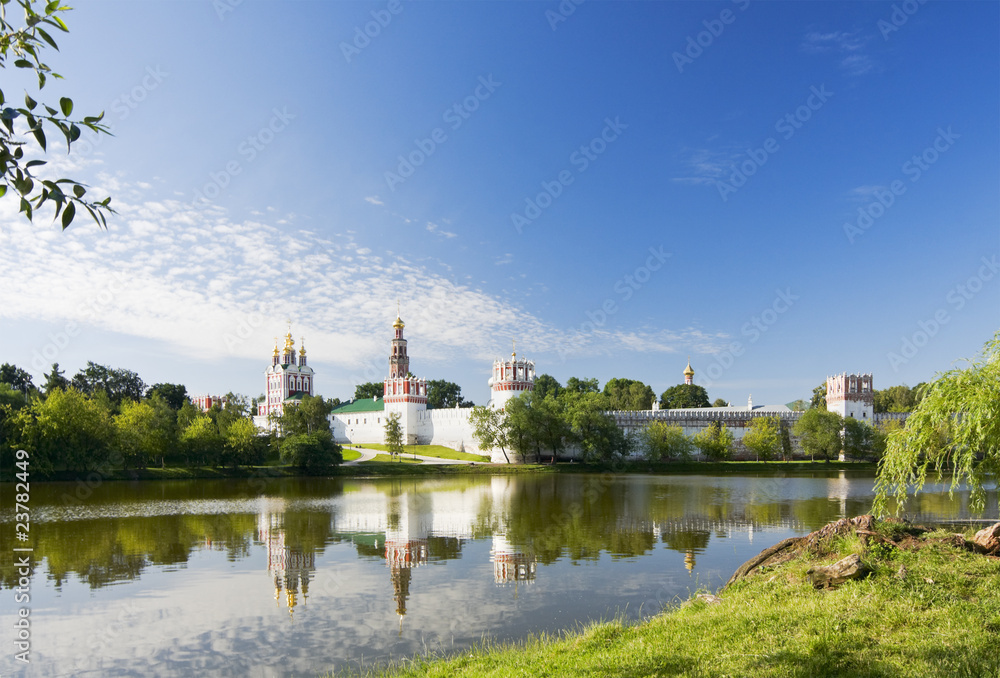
358	427
449	427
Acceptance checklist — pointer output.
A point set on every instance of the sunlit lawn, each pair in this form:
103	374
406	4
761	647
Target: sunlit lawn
438	451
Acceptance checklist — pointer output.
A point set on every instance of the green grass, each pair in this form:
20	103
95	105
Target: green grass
942	619
438	451
351	455
387	459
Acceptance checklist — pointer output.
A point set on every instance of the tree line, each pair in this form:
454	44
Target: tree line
552	418
106	419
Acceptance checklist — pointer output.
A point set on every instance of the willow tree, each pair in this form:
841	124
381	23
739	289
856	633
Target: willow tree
954	429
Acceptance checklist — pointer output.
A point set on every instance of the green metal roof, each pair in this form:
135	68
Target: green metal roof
360	405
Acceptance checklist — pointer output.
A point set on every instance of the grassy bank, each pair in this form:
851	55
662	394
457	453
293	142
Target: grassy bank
930	608
716	467
438	451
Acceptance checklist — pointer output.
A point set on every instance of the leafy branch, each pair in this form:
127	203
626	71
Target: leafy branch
23	46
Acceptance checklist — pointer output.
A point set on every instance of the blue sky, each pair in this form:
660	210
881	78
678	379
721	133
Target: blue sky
780	190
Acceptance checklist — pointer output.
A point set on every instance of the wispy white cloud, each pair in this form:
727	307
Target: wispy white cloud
374	199
436	230
507	258
209	287
849	48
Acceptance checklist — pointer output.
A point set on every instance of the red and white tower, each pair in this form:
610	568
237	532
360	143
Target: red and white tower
851	395
510	379
288	378
404	393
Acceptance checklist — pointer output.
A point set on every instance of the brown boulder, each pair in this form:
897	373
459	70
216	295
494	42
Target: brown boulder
987	540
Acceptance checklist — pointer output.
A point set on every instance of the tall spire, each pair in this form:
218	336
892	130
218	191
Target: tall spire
689	373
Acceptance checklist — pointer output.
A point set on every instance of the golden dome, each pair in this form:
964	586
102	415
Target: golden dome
398	324
688	371
302	351
276	347
289	342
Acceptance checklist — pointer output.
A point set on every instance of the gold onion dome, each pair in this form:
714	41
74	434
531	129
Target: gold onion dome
302	351
688	371
289	342
398	324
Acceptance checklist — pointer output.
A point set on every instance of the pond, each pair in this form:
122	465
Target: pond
297	577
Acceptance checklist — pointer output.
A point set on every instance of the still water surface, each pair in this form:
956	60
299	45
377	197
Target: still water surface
298	577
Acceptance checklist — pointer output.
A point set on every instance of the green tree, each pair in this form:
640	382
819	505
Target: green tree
373	389
574	385
310	452
23	46
818	401
955	428
55	379
598	436
393	434
715	441
119	384
818	431
684	396
74	432
201	441
243	443
441	393
490	429
546	385
311	415
661	441
628	394
799	405
897	398
764	437
862	440
719	402
16	378
140	434
173	394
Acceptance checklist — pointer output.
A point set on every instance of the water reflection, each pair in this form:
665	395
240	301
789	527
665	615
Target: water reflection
303	576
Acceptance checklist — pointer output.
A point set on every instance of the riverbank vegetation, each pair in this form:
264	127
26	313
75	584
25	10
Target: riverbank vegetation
930	607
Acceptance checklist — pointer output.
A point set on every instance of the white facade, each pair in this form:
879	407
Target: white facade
851	395
510	379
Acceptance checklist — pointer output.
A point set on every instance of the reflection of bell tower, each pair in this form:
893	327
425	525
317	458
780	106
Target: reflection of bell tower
406	546
689	560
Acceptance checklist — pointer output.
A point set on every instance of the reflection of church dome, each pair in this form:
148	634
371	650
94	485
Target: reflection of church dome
689	561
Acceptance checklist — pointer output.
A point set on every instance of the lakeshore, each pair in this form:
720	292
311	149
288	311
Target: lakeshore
930	607
372	469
